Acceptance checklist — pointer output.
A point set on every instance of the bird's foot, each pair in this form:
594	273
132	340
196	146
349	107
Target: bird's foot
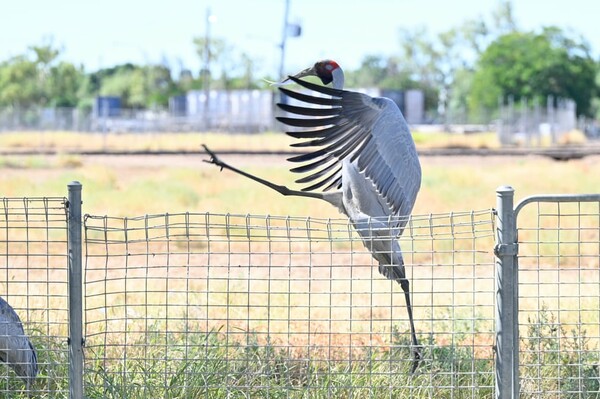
214	159
417	357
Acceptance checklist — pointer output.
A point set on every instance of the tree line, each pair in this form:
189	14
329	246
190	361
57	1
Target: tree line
468	68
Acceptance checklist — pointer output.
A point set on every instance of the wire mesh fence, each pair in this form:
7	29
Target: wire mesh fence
208	305
559	300
33	266
218	305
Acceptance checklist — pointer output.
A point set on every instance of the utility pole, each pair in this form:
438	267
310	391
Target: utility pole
286	14
293	30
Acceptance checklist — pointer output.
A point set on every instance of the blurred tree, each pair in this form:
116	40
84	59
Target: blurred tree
389	73
235	70
19	83
503	18
64	82
186	82
432	63
371	72
437	62
595	105
160	85
147	86
209	51
45	55
129	83
475	33
535	65
36	78
244	73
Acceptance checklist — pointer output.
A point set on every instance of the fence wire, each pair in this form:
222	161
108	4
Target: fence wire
33	266
210	305
559	285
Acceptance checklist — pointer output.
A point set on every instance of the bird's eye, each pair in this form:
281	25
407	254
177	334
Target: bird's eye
329	67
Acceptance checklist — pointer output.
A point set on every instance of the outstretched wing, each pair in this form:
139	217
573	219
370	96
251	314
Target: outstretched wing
353	126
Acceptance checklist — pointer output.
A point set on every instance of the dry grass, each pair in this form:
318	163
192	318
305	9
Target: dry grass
270	141
74	141
139	185
121	185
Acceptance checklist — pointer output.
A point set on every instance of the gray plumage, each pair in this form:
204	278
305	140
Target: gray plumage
361	158
364	150
16	349
368	135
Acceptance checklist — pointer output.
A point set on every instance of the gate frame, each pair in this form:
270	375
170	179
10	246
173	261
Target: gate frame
507	283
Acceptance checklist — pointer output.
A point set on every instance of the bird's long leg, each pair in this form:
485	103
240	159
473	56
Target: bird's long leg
280	189
416	348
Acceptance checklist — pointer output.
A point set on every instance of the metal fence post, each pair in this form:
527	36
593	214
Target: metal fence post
75	292
507	309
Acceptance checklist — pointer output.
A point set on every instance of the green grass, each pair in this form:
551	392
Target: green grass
211	365
557	362
53	376
214	366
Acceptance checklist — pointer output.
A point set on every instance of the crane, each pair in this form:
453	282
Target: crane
363	161
16	349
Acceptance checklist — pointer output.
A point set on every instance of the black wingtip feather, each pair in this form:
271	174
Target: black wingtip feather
334	136
308	156
312	134
311	99
309	111
319	122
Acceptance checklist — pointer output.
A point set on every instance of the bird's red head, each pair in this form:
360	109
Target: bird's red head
327	70
323	70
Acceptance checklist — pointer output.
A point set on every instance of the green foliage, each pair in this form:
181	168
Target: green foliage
53	376
36	78
138	86
160	85
443	65
214	365
557	362
129	84
534	65
19	83
63	85
462	71
391	73
372	72
234	68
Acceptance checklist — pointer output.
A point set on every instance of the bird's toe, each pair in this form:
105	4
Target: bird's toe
417	358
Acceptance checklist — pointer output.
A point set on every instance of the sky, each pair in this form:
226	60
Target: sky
104	33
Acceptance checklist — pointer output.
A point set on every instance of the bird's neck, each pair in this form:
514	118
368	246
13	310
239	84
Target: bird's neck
338	79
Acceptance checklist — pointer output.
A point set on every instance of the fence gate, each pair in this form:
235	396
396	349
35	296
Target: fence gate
549	275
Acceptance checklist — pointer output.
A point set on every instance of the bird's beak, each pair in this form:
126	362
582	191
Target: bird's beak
305	72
